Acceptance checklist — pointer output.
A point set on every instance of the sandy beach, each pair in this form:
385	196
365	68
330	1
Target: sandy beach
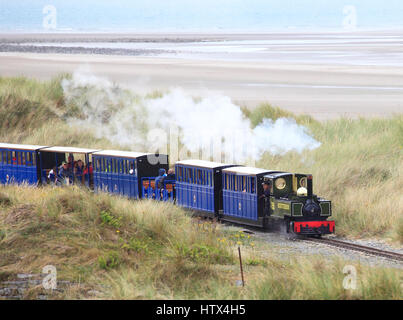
303	80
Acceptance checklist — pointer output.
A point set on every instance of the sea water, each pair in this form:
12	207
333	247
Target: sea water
197	16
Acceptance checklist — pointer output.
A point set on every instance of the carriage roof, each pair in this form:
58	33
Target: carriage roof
121	154
203	164
247	170
69	150
20	146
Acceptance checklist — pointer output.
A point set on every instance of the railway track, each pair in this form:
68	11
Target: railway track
356	247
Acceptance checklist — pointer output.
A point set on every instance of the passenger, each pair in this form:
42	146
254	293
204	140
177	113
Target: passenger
171	177
64	173
161	176
79	172
158	183
266	196
52	176
70	161
71	166
132	170
88	174
171	174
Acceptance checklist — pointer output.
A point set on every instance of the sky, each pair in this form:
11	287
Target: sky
188	15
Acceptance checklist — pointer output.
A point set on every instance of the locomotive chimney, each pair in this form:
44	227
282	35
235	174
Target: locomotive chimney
309	186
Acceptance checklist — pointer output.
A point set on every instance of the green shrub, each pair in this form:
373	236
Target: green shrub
109	261
2	234
255	262
109	219
201	253
136	245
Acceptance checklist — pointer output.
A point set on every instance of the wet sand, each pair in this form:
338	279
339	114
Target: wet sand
323	90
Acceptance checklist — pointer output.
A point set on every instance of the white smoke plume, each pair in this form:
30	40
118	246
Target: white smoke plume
211	123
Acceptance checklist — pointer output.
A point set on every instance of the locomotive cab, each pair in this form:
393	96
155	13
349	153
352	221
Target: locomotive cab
292	199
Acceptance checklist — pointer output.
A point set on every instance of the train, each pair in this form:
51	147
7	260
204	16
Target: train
232	193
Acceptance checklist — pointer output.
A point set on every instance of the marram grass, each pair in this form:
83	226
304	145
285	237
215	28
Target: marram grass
127	249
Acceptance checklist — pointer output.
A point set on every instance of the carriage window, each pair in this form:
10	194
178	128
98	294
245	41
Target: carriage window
189	175
117	166
28	159
119	163
252	185
125	170
23	162
1	157
108	167
199	176
180	174
114	166
111	166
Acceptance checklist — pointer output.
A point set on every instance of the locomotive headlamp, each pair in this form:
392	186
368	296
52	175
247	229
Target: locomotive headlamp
280	183
302	192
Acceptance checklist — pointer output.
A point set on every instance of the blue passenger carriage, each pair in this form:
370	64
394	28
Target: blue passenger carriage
198	185
19	163
243	199
121	172
51	157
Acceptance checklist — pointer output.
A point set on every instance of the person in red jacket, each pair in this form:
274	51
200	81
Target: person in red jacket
88	173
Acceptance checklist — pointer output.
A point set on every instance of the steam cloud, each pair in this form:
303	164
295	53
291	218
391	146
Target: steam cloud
211	123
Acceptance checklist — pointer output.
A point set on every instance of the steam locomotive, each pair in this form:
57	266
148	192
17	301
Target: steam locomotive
228	192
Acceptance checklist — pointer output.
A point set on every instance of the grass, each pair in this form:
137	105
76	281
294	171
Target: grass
146	250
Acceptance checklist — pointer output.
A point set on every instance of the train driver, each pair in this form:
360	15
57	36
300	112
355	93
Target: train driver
266	195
